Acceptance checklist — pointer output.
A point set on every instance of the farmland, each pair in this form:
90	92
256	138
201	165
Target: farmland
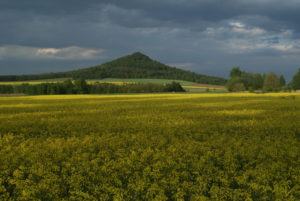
150	147
190	87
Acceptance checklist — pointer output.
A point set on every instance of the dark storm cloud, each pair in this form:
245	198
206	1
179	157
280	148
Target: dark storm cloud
209	35
176	12
46	7
188	12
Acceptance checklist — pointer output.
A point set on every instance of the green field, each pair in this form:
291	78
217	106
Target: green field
158	81
109	80
190	87
33	81
150	147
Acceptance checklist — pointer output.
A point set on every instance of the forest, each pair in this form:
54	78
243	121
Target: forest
80	86
136	65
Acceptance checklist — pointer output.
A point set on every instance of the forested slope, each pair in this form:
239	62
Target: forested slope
136	65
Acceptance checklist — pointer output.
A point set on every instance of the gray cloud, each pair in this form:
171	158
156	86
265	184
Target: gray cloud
209	35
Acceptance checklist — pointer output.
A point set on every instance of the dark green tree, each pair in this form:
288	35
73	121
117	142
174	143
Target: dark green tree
6	89
81	86
236	72
174	87
257	81
296	81
239	87
234	84
282	81
271	82
68	86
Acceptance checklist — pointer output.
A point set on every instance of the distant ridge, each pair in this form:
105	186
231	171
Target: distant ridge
136	65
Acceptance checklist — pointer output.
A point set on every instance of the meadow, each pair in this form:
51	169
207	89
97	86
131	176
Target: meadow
191	87
150	147
105	80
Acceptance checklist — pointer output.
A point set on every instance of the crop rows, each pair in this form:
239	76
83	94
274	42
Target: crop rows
150	147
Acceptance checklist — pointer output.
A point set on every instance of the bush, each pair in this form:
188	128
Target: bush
174	87
239	87
235	84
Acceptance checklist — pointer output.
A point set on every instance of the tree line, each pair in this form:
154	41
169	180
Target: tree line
245	81
80	86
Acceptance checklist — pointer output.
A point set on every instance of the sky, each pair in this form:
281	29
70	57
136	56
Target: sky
204	36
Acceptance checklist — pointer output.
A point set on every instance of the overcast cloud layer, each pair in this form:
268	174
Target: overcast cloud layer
204	36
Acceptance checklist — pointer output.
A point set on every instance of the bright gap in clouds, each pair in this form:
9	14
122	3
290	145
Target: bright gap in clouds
37	53
239	37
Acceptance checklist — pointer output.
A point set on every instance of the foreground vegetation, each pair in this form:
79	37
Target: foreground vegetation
150	147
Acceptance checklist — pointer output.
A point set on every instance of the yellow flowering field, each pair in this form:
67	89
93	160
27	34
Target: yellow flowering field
150	147
26	82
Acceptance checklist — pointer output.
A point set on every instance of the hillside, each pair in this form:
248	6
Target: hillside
136	65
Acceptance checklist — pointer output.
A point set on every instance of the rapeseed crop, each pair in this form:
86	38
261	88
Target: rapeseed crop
150	147
27	82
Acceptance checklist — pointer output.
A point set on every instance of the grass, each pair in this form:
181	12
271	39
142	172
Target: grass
33	81
150	147
191	87
157	81
207	89
108	80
